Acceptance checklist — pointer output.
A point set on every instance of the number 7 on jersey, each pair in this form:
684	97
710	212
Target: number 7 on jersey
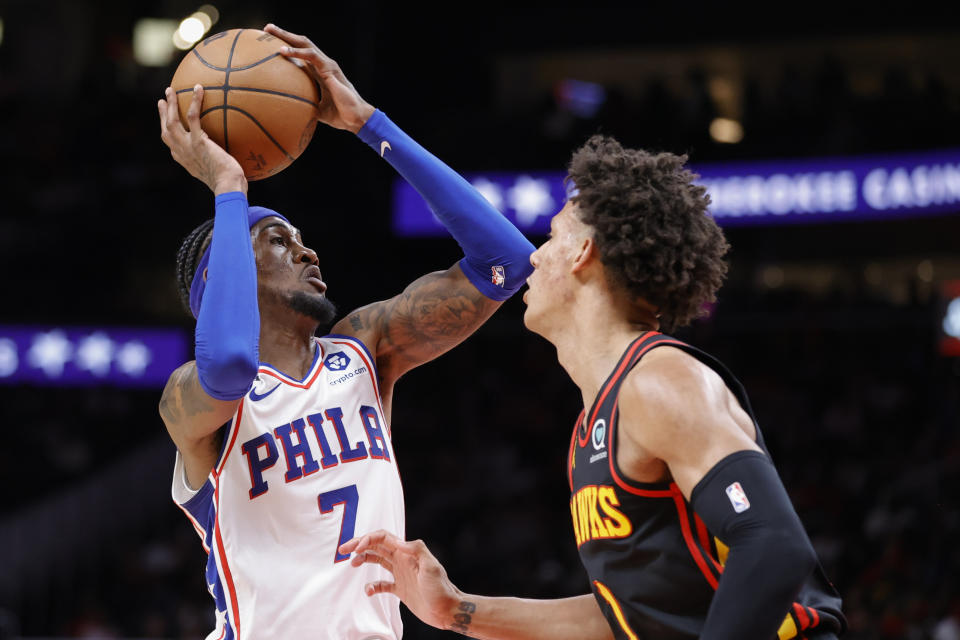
348	497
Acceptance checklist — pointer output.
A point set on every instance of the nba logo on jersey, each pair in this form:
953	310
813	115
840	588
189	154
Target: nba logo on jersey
337	361
738	498
498	277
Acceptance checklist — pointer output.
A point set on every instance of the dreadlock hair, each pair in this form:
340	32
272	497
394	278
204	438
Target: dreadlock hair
651	227
189	254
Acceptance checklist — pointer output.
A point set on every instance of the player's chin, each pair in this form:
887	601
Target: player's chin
313	305
528	317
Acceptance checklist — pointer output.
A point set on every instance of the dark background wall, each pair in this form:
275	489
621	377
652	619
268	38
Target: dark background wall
832	327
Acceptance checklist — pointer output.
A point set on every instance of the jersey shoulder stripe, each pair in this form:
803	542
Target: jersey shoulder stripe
229	438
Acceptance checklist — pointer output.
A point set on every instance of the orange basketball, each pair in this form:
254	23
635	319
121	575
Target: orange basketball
258	105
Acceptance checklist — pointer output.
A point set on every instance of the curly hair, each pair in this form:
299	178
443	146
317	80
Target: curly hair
651	227
188	255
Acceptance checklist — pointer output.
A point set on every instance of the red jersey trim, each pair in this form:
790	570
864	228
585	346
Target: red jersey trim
605	390
695	551
234	611
573	449
232	434
282	377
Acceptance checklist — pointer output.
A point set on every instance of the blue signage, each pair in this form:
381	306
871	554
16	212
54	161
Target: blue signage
72	356
747	193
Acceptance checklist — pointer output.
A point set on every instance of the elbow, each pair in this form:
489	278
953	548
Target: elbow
228	375
793	554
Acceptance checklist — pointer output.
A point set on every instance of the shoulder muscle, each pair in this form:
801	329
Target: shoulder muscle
679	410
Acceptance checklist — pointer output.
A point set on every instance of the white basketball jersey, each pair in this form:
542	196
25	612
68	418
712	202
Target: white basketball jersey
305	465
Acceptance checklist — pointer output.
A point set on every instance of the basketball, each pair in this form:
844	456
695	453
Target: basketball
258	105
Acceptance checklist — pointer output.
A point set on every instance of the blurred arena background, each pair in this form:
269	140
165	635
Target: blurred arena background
844	328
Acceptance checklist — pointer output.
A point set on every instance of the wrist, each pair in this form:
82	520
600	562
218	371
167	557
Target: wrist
360	118
460	611
228	183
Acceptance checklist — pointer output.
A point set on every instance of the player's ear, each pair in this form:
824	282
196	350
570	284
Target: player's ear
583	254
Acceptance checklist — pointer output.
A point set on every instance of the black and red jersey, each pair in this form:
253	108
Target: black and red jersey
652	563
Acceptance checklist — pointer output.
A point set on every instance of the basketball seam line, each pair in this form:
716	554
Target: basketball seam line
227	107
226	88
228	68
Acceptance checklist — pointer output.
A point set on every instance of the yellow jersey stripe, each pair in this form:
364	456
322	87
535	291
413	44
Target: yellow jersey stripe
788	629
617	611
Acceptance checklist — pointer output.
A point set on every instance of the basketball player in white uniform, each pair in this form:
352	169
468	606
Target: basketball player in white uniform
283	439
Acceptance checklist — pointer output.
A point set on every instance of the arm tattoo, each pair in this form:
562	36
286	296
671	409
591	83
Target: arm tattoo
356	322
168	408
433	314
193	402
180	398
462	619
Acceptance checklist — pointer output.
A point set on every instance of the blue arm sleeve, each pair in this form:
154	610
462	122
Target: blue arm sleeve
228	325
743	502
496	255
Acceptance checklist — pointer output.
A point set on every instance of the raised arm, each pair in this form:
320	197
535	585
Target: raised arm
433	314
201	396
675	409
421	582
441	309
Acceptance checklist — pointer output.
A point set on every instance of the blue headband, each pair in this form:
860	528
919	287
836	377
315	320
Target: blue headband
199	284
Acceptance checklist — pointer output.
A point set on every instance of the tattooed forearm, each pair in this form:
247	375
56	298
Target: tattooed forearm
431	316
439	310
463	617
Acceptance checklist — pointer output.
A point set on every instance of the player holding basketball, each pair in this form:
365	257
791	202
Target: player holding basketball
681	520
283	439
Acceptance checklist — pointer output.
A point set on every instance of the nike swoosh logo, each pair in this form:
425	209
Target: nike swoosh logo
384	146
260	396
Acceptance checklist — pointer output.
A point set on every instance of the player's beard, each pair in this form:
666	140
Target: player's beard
313	306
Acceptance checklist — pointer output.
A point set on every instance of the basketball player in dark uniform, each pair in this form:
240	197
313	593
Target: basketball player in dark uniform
681	520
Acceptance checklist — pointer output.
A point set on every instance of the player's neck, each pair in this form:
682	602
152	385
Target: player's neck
593	338
289	348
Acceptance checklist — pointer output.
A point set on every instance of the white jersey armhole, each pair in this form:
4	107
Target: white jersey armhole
182	492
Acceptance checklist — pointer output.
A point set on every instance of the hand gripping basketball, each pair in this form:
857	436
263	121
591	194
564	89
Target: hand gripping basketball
194	150
341	107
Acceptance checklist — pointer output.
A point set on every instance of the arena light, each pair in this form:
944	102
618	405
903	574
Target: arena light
204	19
194	27
211	12
772	277
179	42
83	356
580	98
191	30
726	131
151	41
950	319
